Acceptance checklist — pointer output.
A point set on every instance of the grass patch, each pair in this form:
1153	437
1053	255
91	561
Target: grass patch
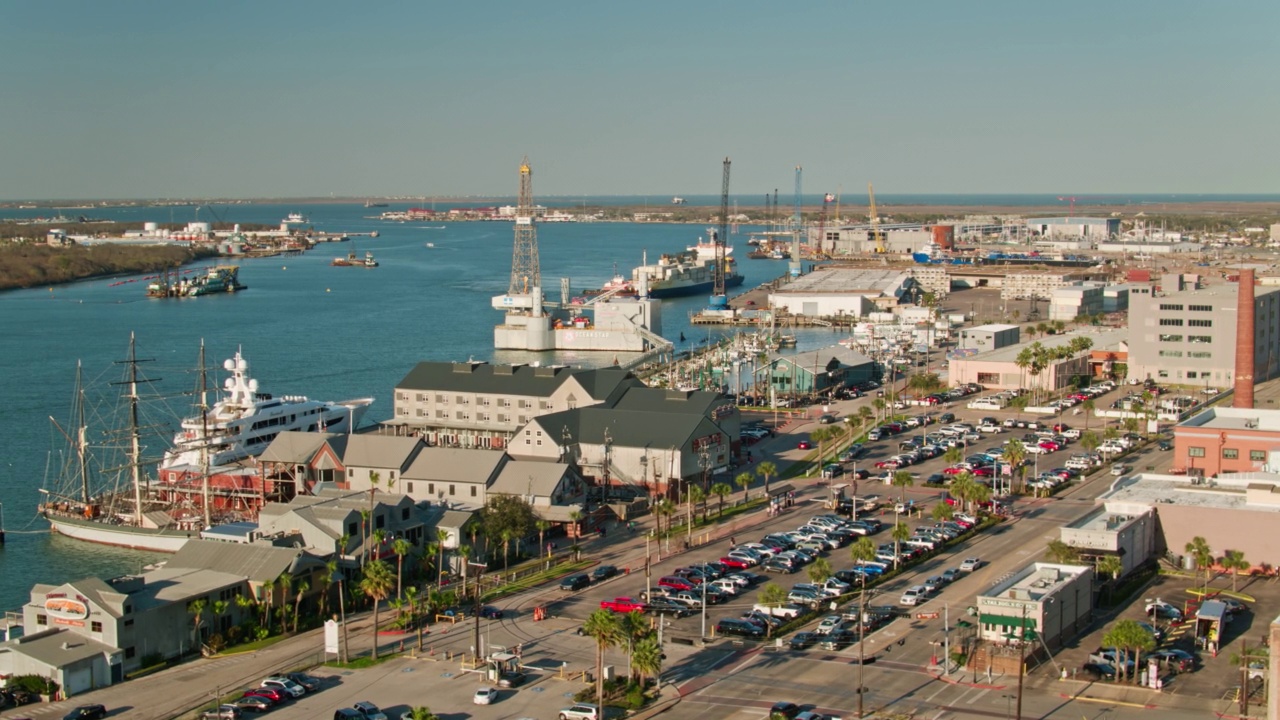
730	511
252	645
529	581
363	662
143	672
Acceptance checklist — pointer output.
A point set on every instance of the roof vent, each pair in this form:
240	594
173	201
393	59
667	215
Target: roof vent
66	646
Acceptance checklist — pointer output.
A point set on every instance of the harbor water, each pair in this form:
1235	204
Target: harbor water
306	327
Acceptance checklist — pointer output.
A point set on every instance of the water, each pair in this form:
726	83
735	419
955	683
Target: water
306	328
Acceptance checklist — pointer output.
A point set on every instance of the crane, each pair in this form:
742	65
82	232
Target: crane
718	291
876	233
1073	198
822	224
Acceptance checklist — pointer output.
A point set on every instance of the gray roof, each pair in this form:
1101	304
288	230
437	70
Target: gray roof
384	451
257	563
823	358
455	518
478	377
698	402
846	281
95	589
627	428
46	647
295	447
446	464
525	477
168	585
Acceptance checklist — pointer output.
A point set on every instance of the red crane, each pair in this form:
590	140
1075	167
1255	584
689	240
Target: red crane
1073	198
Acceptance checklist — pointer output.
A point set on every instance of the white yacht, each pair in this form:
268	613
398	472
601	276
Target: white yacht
295	219
244	422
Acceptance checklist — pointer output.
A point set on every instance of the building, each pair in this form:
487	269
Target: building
475	404
845	292
815	372
1056	601
1126	531
999	369
989	337
1068	303
1038	284
1115	298
1148	248
1228	440
322	522
1074	227
76	662
1189	337
1231	512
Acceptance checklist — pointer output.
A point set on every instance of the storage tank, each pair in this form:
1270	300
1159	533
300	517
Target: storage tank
944	236
150	228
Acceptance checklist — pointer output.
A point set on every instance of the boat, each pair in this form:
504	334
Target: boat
431	245
295	219
677	200
706	249
680	274
372	204
119	510
245	421
217	279
351	260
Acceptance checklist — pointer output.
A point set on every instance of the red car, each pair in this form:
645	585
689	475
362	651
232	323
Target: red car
983	471
890	463
675	583
804	445
271	694
623	604
954	470
1050	445
735	563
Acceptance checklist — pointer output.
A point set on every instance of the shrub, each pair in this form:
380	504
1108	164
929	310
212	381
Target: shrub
37	684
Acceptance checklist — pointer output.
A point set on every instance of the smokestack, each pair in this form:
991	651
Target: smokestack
1245	334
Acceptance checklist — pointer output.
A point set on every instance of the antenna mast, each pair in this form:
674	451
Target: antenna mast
718	290
525	273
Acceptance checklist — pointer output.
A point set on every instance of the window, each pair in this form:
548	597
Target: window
1230	454
402	396
380	521
988	378
431	488
1170	307
1195	452
1170	338
453	490
1200	323
1200	308
1171	353
1171	322
404	513
129	653
506	402
1257	455
128	623
1200	338
351	472
473	491
393	474
95	626
1191	374
352	529
1201	355
1163	374
408	488
42	619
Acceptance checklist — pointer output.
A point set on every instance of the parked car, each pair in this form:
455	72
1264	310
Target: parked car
575	582
1099	671
741	628
86	712
804	445
1161	609
603	572
223	712
581	711
802	640
285	685
485	696
784	711
259	704
310	682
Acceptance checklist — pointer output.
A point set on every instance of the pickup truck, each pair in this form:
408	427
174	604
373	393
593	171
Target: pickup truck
623	604
782	611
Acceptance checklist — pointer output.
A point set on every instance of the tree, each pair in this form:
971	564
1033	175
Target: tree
1023	361
819	570
1129	638
865	413
421	713
924	383
603	626
303	587
1089	440
1201	553
376	583
511	513
664	508
543	526
1088	406
900	534
862	550
943	512
1015	453
401	547
285	583
953	455
820	437
879	404
219	609
1062	553
1110	565
721	490
374	478
773	595
196	609
765	470
442	539
693	496
646	657
903	479
1233	562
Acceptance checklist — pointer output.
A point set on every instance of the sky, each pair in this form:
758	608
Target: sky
226	99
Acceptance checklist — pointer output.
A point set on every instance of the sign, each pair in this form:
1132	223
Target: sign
705	442
331	628
67	609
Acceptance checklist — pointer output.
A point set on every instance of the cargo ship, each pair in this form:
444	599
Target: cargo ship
217	279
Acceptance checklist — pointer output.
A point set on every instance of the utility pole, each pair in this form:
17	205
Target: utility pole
1244	678
862	637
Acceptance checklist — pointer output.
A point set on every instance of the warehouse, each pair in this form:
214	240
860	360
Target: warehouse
845	292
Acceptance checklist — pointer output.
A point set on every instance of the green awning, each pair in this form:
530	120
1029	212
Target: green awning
1006	621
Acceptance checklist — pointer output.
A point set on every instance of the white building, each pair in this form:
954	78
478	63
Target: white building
1068	303
848	292
1123	530
1055	601
1074	227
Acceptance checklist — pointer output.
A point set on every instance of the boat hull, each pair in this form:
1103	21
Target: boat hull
660	292
127	536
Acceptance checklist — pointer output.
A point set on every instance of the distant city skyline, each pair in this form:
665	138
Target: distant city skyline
290	100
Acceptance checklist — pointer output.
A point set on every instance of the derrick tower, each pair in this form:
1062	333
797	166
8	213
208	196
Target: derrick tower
525	273
722	237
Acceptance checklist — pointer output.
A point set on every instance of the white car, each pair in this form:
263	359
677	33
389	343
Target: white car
485	696
970	564
1034	449
1071	434
913	595
1119	469
829	624
284	685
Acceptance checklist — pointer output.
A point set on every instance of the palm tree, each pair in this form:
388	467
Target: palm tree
903	479
1110	565
442	539
821	436
1062	553
767	470
285	583
1233	562
819	570
900	534
1023	361
1089	440
632	627
421	713
376	584
879	404
303	588
507	536
220	608
401	547
720	489
365	515
694	496
664	508
646	657
743	480
1088	406
953	455
374	478
196	608
604	627
1015	453
865	413
269	595
943	512
543	526
1199	551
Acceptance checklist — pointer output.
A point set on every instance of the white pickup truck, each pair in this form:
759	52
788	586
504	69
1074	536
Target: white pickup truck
783	611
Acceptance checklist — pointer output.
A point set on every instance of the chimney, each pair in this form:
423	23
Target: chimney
1245	333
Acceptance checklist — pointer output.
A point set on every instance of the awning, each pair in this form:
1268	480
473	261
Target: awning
783	489
1006	621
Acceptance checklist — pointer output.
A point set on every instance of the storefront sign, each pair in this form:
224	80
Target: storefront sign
67	611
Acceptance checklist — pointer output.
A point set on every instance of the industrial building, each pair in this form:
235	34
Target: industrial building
1074	227
1039	284
1068	303
998	369
1055	601
1231	512
989	337
1115	298
1190	336
1228	440
845	292
1123	530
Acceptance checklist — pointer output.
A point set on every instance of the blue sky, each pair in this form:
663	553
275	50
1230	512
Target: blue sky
289	99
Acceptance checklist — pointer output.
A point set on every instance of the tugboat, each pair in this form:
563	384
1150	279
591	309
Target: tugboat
352	261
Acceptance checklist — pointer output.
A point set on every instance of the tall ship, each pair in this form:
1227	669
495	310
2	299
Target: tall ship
217	279
245	421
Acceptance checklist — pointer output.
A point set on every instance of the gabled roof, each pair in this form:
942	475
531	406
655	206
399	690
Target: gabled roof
449	464
697	402
46	647
381	451
257	563
526	380
823	358
294	447
455	518
627	428
169	585
529	477
604	383
98	592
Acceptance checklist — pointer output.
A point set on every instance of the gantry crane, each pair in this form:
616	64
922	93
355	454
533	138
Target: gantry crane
876	233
